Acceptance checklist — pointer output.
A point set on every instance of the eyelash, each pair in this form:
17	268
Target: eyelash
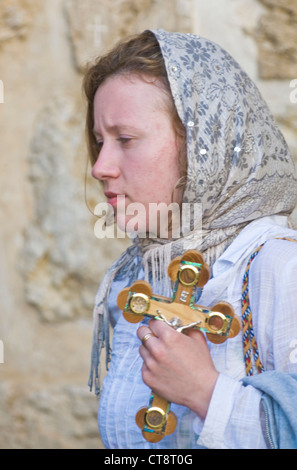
123	140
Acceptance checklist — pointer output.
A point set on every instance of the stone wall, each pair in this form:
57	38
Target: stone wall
51	262
277	39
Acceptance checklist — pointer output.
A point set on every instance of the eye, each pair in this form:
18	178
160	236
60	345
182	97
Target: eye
97	140
124	139
98	144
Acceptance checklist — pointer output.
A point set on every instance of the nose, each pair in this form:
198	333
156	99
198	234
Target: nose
106	166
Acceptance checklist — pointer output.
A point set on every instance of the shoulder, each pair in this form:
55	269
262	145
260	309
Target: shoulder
275	262
276	253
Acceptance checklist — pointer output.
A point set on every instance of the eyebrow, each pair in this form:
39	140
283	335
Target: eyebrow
115	128
95	133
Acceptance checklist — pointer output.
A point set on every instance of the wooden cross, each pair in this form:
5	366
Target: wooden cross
189	272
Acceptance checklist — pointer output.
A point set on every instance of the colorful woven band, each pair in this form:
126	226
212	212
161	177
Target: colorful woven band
250	347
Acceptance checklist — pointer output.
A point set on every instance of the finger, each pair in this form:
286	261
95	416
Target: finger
159	327
198	338
144	353
145	334
195	334
163	331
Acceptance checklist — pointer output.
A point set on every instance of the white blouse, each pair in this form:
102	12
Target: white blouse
233	420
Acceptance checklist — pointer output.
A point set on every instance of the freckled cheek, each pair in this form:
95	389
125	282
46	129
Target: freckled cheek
151	176
148	189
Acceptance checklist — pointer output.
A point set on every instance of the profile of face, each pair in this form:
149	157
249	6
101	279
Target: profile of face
138	158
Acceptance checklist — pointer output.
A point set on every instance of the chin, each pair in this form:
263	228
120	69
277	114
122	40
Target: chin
132	226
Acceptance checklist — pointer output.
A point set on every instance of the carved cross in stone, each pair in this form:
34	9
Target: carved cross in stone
98	29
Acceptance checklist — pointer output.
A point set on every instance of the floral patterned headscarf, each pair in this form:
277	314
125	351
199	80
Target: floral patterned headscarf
239	167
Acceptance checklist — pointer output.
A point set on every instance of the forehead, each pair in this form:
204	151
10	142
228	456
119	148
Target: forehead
122	92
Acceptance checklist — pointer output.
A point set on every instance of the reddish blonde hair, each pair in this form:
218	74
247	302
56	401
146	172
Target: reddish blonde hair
137	55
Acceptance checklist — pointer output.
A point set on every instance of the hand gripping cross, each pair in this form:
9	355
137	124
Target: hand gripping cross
219	323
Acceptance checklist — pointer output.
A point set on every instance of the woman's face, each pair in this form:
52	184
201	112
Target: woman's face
139	149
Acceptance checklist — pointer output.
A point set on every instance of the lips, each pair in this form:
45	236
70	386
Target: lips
113	198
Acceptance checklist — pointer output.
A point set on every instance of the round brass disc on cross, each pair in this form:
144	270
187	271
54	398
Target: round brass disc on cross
155	420
155	417
150	436
193	256
217	322
138	303
188	275
121	301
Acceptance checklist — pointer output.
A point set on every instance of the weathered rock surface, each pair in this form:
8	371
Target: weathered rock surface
50	260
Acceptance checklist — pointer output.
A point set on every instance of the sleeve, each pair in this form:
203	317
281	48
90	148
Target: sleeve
235	415
232	421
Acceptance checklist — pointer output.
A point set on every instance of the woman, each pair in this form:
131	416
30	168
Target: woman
172	115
